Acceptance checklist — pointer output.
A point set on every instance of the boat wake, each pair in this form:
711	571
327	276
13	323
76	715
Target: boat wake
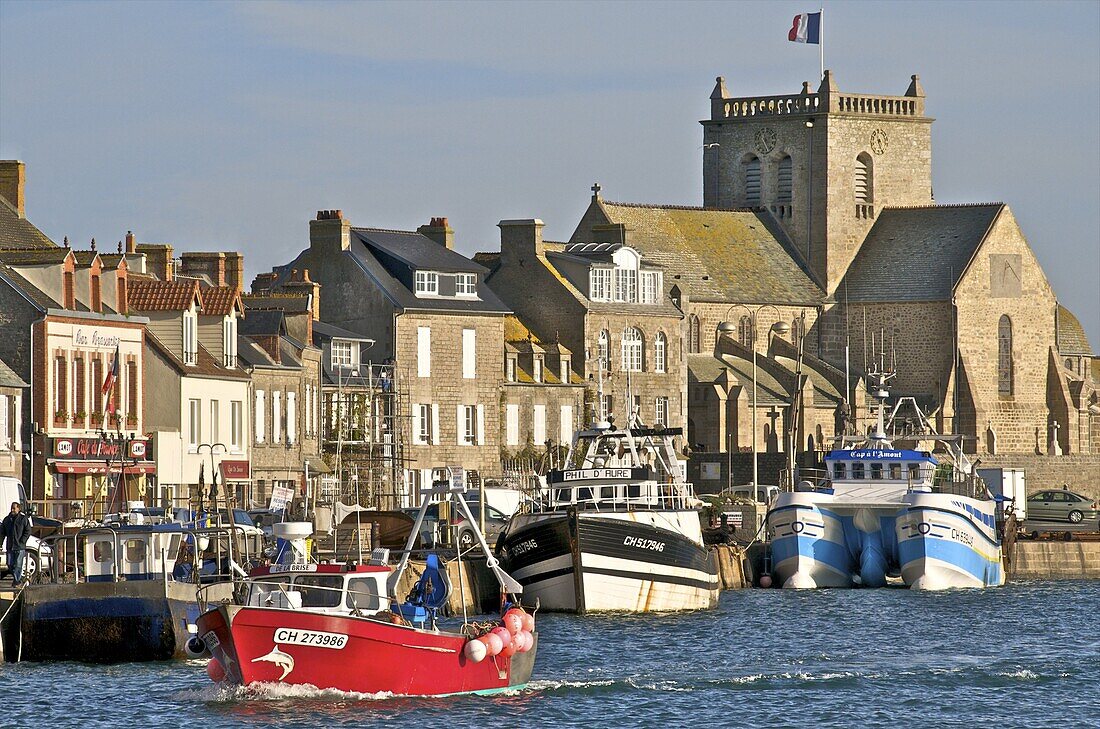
221	693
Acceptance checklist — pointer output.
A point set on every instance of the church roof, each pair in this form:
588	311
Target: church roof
18	232
917	253
715	254
1069	335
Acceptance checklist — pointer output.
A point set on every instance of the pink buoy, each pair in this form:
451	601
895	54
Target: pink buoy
529	622
524	640
476	651
509	649
494	643
504	633
513	621
765	580
215	670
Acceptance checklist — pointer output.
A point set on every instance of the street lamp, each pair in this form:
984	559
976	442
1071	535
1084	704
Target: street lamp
728	328
214	475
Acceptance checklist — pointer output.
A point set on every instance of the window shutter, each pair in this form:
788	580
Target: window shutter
566	425
512	424
460	425
481	425
291	417
416	424
260	426
18	424
435	423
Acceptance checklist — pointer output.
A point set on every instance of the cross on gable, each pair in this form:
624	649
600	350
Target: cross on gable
596	189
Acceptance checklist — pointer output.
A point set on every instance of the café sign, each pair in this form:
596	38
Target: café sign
85	449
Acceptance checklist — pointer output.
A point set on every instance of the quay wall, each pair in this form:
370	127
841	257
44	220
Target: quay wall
731	567
1031	560
1080	471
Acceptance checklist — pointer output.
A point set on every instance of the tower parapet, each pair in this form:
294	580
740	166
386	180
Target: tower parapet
826	99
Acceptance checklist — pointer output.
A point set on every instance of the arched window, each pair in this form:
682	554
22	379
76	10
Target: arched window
752	181
744	331
660	346
603	349
632	350
865	179
1004	356
693	334
1069	364
783	188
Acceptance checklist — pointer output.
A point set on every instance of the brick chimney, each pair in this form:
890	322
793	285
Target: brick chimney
520	240
263	282
158	258
234	269
211	265
13	182
440	232
301	326
131	242
330	233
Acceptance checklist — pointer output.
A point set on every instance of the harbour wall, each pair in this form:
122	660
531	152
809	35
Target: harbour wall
1034	560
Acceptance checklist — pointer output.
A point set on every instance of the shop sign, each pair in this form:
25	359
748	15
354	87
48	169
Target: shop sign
83	449
234	470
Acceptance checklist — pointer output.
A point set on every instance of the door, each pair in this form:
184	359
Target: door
1038	506
1060	505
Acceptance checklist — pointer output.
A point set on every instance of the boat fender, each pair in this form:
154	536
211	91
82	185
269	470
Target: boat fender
215	670
529	622
493	643
513	621
765	581
476	650
195	646
507	648
524	641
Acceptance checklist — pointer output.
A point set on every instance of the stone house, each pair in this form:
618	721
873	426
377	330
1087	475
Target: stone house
433	320
12	392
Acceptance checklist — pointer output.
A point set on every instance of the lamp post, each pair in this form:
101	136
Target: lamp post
728	328
214	475
795	438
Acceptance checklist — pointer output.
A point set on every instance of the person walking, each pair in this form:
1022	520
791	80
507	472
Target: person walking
15	531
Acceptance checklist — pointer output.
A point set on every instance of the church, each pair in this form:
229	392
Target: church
819	251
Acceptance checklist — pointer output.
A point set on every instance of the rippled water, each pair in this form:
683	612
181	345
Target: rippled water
1023	655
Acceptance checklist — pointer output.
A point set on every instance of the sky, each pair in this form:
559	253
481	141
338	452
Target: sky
218	126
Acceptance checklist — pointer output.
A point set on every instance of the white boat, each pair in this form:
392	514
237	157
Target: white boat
881	512
618	529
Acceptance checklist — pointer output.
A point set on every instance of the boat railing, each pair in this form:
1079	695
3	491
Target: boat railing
214	563
296	595
645	496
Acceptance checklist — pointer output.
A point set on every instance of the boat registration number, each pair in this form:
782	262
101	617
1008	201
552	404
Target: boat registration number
315	638
211	640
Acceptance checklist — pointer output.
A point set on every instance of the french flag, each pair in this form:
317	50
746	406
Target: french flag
806	28
109	383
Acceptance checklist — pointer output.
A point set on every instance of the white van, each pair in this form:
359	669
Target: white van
38	554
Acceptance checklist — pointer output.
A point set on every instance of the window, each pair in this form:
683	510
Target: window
1004	356
876	471
103	552
194	429
468	425
660	415
752	181
276	416
864	179
626	284
600	284
511	424
427	282
363	594
133	407
660	353
510	369
236	408
537	374
469	354
783	187
745	334
261	430
466	284
538	432
857	471
839	470
291	417
565	429
650	287
61	386
424	424
564	374
135	550
693	334
190	337
895	471
605	407
423	351
229	342
341	354
214	421
632	350
603	349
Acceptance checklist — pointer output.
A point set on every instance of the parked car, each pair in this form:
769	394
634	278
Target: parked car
495	523
1061	505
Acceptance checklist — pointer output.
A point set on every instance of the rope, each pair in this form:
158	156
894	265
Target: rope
15	599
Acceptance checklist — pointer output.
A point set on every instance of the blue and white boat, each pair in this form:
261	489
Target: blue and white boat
880	512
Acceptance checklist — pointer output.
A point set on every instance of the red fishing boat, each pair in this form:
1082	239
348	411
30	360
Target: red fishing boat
338	627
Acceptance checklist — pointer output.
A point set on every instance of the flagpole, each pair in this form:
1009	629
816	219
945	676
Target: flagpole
821	39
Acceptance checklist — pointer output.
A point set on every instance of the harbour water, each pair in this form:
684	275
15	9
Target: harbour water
1027	654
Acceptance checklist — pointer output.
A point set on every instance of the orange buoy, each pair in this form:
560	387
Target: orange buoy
529	622
215	670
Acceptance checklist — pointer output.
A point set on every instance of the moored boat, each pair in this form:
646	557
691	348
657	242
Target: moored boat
340	627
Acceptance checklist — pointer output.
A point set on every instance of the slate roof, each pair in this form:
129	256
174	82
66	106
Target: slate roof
8	378
293	303
38	297
1069	335
715	254
153	295
417	250
206	365
263	322
17	232
918	253
34	256
323	331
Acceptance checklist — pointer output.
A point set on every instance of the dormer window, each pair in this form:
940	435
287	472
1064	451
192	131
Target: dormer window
565	371
626	284
600	284
465	284
342	354
190	337
651	287
510	369
538	369
229	341
427	283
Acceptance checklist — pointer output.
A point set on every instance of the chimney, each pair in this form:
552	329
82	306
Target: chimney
301	285
263	282
13	182
439	231
330	233
196	264
158	257
520	240
234	269
131	242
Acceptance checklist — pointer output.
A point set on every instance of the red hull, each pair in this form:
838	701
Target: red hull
351	654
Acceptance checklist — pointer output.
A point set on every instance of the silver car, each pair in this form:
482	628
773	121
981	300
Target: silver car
1060	505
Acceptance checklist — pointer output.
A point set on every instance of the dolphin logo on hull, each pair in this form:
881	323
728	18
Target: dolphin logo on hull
283	660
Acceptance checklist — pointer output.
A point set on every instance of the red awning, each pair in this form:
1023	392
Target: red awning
100	467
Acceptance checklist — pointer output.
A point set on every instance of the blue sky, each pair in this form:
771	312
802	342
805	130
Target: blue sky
228	125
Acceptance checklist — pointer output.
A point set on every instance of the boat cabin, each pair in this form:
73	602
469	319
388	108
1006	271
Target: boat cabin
886	466
323	588
113	554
